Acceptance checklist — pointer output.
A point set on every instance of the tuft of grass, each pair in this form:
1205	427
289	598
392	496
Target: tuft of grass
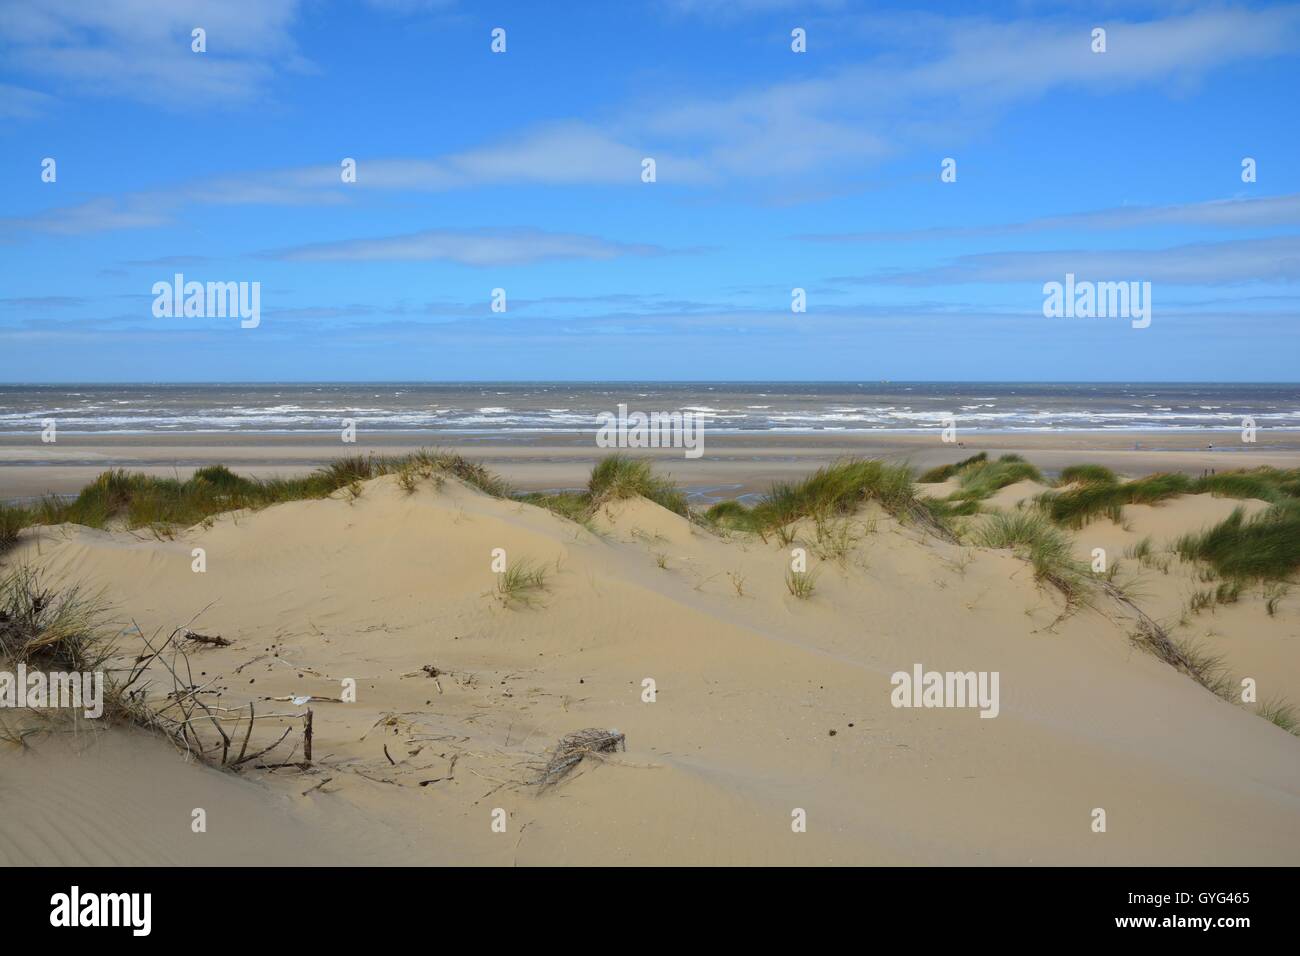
618	476
982	479
840	489
728	514
1273	595
521	583
1043	545
1142	551
1201	600
835	490
614	478
1278	711
1263	548
1227	593
1205	668
800	583
65	630
943	472
1077	507
12	521
1273	485
1088	475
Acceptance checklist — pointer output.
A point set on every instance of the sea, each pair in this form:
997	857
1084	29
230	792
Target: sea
497	408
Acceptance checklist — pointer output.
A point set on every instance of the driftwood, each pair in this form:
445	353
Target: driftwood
188	635
190	710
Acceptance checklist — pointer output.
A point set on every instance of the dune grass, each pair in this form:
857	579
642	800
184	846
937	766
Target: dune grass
1206	668
1087	475
1042	544
618	477
65	630
801	584
982	479
943	472
1263	548
833	491
1078	506
614	478
1279	711
133	500
729	515
12	521
521	583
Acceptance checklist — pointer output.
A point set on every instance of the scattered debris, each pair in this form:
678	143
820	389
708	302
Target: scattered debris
215	641
573	747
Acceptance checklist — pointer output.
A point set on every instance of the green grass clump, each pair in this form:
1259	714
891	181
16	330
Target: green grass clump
1263	548
944	472
1204	667
617	477
575	506
614	478
135	500
1088	475
1267	484
65	630
12	521
522	583
800	584
1042	544
1077	507
835	490
840	489
730	515
983	479
1279	712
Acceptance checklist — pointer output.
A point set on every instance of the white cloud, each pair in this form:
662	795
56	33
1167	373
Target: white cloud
1262	212
141	48
1202	263
17	102
473	247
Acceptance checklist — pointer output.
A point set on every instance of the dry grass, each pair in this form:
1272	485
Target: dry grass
573	749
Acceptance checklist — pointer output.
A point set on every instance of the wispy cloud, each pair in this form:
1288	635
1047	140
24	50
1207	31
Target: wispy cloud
140	49
1202	263
1220	213
17	102
948	81
473	247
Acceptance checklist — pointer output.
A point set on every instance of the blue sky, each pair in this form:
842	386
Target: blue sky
522	171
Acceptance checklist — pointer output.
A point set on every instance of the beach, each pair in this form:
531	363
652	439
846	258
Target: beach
756	723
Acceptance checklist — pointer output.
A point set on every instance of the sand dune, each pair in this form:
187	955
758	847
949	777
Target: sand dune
765	703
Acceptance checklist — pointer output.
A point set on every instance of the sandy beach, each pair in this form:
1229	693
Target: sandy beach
742	707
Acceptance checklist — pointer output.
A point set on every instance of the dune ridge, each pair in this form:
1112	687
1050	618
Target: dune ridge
765	702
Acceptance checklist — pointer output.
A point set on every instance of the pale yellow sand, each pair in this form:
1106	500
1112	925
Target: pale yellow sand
751	682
